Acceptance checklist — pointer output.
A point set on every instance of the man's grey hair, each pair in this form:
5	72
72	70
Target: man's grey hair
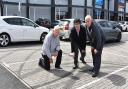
88	17
56	28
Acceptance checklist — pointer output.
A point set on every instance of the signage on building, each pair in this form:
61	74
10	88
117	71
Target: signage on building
121	5
121	1
126	7
99	2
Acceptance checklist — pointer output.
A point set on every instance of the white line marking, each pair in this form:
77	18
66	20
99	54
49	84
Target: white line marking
5	64
95	81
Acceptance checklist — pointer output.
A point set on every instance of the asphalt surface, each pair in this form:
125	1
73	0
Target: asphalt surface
22	59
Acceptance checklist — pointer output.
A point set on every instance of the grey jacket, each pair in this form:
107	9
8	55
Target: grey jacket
51	44
96	37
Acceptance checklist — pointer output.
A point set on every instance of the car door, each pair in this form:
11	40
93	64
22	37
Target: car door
31	30
112	31
15	29
105	29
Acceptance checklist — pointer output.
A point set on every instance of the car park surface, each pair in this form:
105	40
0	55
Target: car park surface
22	59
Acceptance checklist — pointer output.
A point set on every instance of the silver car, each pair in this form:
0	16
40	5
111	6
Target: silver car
66	25
111	33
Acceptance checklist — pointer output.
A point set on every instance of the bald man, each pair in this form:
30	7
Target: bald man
97	39
51	47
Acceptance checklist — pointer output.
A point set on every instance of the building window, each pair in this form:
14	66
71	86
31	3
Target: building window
40	12
89	3
106	4
40	1
22	1
98	14
61	13
0	11
111	16
61	2
90	11
111	5
14	10
78	12
127	7
106	15
78	2
120	16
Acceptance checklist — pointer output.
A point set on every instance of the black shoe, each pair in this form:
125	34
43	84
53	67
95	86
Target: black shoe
91	70
76	67
58	67
95	74
42	65
83	61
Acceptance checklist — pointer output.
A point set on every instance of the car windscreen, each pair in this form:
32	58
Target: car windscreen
122	22
64	22
105	24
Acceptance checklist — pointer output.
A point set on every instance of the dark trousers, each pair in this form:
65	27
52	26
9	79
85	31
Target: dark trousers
47	62
97	60
76	51
72	47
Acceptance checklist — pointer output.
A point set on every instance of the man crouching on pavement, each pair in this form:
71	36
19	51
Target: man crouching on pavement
51	47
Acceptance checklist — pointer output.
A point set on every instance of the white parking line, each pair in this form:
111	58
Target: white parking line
95	81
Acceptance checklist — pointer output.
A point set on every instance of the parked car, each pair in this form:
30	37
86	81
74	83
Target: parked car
116	25
43	22
110	32
54	23
18	29
124	25
66	25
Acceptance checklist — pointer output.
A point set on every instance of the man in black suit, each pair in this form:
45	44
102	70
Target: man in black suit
97	39
78	39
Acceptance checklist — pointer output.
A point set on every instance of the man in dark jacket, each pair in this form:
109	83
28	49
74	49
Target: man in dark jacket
97	39
78	39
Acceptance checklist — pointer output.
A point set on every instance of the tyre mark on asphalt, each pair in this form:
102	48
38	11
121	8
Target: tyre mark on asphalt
4	56
27	58
18	49
12	51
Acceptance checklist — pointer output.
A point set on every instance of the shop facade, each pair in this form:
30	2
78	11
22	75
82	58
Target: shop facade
61	9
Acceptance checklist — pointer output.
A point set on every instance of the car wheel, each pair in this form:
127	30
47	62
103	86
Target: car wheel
126	29
42	37
119	37
4	40
61	38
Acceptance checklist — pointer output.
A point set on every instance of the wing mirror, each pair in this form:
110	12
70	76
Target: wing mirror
35	26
